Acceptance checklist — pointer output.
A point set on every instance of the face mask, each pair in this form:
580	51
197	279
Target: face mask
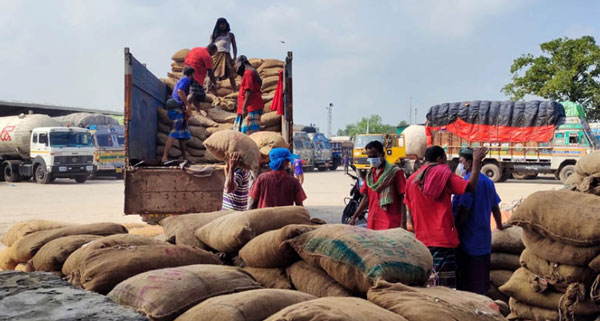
461	169
375	162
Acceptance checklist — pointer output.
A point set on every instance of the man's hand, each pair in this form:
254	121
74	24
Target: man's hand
234	160
352	221
480	153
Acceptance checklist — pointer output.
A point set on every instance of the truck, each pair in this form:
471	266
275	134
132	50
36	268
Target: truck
39	147
342	149
303	148
322	156
155	190
393	146
109	152
525	138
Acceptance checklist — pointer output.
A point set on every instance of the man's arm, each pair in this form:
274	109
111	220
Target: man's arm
252	203
478	156
213	80
185	101
361	208
234	44
497	217
246	101
461	216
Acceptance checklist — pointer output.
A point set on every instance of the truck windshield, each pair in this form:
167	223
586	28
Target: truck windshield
71	139
362	140
298	144
104	140
121	140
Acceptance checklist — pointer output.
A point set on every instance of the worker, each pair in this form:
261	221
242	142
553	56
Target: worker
383	192
428	197
299	170
223	64
250	103
277	187
472	213
200	59
179	110
237	184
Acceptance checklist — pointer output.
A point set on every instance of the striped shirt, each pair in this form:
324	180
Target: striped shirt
238	199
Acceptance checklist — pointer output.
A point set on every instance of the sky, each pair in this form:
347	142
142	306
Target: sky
365	57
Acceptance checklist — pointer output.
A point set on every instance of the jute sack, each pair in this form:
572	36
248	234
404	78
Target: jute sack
72	263
595	264
268	250
356	257
522	311
222	92
163	116
179	56
557	275
174	74
221	127
150	230
270	119
270	81
25	248
6	263
495	294
504	261
313	280
276	129
201	121
24	228
164	294
253	305
199	132
25	267
52	255
221	116
227	142
195	152
255	62
170	82
335	309
102	269
589	164
180	229
267	141
270	278
162	128
270	72
521	287
499	277
558	252
269	90
230	233
434	303
508	240
173	152
569	217
270	63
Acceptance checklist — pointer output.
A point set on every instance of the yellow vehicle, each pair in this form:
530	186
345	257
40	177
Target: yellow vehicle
393	145
109	151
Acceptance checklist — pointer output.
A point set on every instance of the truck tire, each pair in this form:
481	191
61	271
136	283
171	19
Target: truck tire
492	171
10	175
524	175
565	172
81	179
41	175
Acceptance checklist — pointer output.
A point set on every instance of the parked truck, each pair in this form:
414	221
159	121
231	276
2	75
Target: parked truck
39	147
109	152
322	155
304	149
154	189
526	138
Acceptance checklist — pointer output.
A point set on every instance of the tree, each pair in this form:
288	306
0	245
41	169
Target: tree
568	69
360	127
403	124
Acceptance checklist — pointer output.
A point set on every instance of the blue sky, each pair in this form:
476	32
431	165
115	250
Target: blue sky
366	57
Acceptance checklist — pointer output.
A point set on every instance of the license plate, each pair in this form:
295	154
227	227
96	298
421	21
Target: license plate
89	168
62	169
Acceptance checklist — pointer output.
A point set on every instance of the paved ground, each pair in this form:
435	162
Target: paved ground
102	200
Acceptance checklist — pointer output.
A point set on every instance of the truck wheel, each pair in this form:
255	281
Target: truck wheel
10	175
492	171
524	175
81	179
322	168
41	176
565	172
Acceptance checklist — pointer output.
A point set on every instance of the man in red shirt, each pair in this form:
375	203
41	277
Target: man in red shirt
250	102
277	187
428	193
383	192
200	59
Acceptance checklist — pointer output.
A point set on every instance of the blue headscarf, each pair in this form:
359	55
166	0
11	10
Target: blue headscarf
278	156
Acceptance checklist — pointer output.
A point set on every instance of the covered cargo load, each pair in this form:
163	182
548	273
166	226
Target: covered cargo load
86	120
15	133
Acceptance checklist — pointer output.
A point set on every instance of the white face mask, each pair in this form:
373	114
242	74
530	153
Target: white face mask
461	169
375	162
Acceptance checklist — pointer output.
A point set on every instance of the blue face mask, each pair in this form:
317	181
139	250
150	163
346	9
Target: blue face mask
375	162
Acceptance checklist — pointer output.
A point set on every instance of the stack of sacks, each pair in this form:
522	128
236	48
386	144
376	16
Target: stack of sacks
586	178
507	246
558	278
266	140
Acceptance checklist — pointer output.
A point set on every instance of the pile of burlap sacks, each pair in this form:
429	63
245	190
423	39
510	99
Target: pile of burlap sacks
220	109
560	266
86	120
507	246
586	178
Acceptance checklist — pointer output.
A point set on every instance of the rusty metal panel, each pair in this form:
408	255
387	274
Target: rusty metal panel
155	190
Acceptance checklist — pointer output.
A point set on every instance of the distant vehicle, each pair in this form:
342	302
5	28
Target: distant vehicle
37	146
341	148
322	155
394	147
109	150
303	148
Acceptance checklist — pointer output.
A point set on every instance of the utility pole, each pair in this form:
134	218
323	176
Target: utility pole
330	110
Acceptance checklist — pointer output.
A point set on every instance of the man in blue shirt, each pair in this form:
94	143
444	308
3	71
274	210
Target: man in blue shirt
179	109
472	213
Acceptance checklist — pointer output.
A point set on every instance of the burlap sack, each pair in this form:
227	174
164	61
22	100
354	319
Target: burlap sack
270	81
256	62
164	294
270	72
522	311
71	266
356	257
179	56
222	92
25	267
163	116
195	153
270	278
267	98
268	250
170	82
230	233
521	287
589	164
199	132
313	280
270	63
227	142
335	309
150	230
504	261
267	141
433	304
162	128
270	119
269	90
275	129
508	240
499	277
180	229
174	152
221	127
25	248
102	269
176	68
569	217
176	75
558	252
595	264
557	275
495	294
221	116
201	121
6	262
52	256
24	228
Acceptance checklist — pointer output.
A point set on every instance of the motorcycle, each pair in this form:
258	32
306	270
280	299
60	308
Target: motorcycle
353	201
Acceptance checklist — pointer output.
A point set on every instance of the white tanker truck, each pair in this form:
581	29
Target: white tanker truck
40	147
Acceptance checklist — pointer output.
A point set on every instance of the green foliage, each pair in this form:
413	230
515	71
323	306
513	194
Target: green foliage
360	127
568	69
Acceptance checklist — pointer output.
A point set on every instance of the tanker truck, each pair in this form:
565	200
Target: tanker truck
38	146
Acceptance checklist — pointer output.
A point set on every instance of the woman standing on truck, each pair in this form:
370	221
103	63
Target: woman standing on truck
222	61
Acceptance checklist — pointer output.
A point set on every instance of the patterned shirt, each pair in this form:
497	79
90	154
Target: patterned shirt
238	199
